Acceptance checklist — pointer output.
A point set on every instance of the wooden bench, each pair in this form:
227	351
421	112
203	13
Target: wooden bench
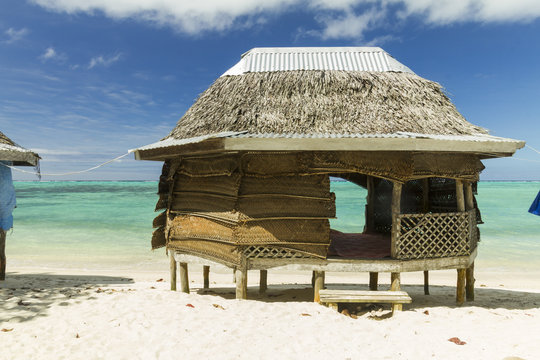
333	297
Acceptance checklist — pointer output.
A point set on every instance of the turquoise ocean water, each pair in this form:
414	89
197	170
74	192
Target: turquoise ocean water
100	225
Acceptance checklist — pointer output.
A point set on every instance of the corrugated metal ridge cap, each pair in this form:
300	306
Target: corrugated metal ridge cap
373	59
313	49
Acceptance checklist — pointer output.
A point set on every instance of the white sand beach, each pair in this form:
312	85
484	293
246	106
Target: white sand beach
65	314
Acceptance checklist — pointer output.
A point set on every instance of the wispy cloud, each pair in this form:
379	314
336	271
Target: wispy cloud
57	152
105	61
442	12
348	24
50	54
337	18
14	35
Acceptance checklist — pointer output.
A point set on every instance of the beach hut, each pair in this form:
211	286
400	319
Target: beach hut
10	154
246	174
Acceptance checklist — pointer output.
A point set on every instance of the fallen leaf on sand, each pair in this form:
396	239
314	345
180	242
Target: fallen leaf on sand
7	330
159	280
189	305
456	341
347	313
426	312
218	306
304	314
151	287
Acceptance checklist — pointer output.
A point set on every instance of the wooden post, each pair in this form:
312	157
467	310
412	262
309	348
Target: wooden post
469	205
370	220
206	277
469	198
318	285
459	196
184	280
241	283
425	208
426	282
395	285
173	270
373	281
2	255
461	273
460	288
396	210
263	281
469	287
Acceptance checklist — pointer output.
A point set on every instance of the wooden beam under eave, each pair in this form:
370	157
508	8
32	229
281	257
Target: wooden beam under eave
161	154
490	148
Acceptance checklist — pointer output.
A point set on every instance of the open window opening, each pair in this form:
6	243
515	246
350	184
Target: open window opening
364	220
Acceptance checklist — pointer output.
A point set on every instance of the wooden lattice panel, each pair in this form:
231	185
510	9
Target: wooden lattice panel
432	235
254	252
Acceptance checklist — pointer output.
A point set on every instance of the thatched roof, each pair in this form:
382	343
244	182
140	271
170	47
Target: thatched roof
10	151
5	140
316	96
318	102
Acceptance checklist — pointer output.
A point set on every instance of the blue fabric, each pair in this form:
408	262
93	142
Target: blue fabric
7	197
535	207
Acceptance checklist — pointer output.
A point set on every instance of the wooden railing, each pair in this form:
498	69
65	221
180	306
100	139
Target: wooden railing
435	235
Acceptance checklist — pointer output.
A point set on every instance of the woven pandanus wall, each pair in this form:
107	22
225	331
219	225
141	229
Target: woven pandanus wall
265	204
217	210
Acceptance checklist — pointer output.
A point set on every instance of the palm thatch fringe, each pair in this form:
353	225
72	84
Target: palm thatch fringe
17	154
324	102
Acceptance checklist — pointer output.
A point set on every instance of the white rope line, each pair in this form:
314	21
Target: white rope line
68	173
531	160
533	149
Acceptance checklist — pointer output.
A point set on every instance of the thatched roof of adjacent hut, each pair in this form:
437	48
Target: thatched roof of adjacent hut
313	96
10	151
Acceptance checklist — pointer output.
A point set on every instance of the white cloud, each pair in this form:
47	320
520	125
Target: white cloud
56	152
103	60
349	25
50	54
449	11
337	18
15	35
186	16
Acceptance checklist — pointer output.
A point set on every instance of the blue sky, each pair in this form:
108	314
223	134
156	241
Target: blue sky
83	81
